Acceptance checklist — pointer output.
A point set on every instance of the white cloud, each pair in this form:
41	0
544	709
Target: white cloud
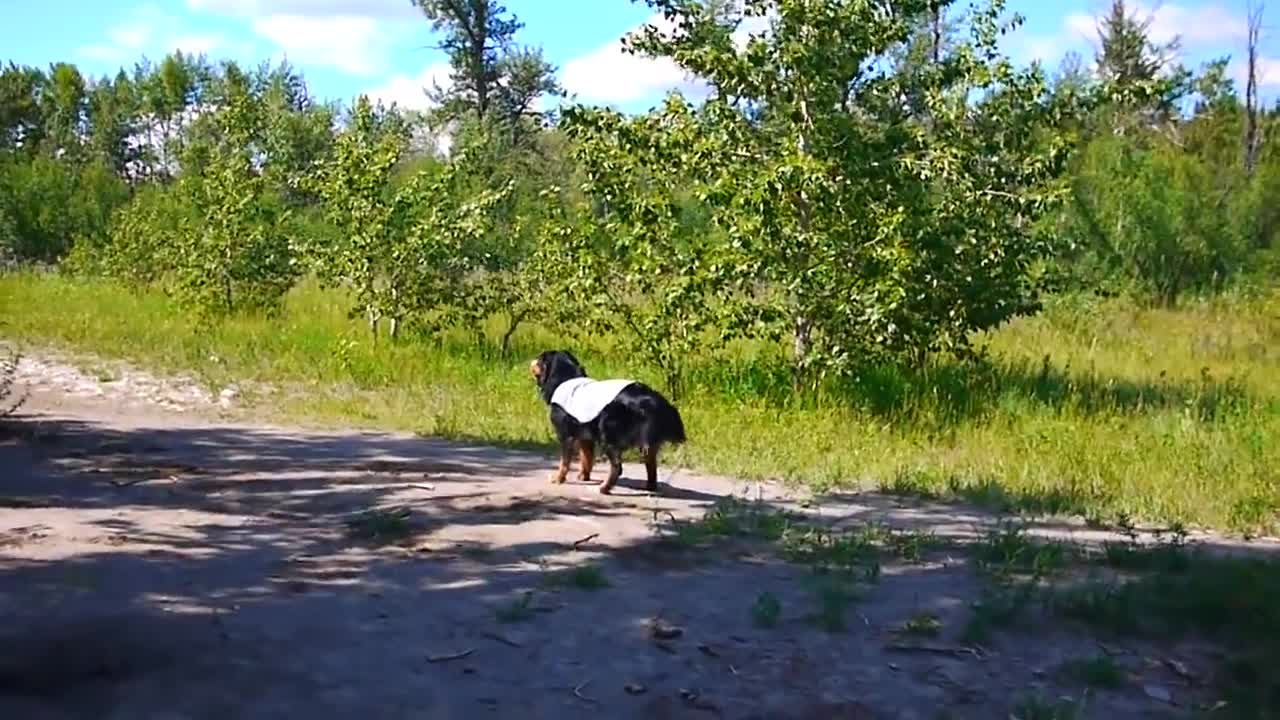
1210	26
351	43
148	30
409	93
309	8
610	75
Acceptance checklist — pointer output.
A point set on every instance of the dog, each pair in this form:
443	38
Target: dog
615	415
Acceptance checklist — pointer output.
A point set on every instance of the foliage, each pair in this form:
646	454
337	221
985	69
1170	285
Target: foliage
403	251
52	203
870	230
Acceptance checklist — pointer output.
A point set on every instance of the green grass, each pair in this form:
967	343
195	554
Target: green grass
1096	408
582	577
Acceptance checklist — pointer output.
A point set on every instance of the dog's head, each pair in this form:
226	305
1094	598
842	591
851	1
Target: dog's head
553	367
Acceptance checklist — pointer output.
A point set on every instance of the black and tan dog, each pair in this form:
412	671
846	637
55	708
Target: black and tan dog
616	415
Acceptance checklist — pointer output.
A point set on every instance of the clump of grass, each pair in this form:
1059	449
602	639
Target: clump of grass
1008	549
588	576
381	526
834	596
518	610
1001	605
923	624
1035	707
766	610
825	550
1100	671
1180	591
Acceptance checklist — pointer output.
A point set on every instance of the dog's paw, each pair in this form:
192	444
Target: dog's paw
557	479
604	489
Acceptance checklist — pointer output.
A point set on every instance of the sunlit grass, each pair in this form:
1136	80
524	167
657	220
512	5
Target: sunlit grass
1098	408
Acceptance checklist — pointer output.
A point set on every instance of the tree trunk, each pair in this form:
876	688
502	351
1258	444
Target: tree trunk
801	346
1252	136
516	318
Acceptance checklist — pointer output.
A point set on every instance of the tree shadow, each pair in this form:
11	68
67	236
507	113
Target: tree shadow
947	393
248	596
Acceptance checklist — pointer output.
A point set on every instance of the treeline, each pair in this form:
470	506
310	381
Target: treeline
861	183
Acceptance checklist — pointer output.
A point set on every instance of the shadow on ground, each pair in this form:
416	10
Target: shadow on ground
212	572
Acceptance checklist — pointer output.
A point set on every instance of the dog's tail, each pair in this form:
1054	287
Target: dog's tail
668	426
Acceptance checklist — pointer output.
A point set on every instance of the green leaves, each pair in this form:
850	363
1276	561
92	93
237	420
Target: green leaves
859	223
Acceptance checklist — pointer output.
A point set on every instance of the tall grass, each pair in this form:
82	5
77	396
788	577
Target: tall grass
1095	407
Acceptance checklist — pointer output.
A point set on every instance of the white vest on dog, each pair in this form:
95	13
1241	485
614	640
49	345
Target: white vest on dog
584	398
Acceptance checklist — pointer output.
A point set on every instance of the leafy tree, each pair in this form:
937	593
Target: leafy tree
475	34
233	253
401	250
21	117
1140	74
870	232
113	114
637	263
64	108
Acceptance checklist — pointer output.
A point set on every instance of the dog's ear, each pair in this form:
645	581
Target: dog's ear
578	364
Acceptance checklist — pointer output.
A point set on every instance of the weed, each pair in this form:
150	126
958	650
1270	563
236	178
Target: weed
766	610
381	526
1100	671
1008	549
1034	707
834	595
518	610
923	624
1001	605
583	577
849	551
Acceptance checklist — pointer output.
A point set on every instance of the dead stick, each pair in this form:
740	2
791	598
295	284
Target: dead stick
447	658
502	639
935	649
577	692
577	544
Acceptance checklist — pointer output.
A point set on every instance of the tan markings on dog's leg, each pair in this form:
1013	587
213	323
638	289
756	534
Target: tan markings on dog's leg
586	458
651	468
615	472
563	470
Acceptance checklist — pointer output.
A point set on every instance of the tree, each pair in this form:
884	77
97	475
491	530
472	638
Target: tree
1252	133
475	34
1141	75
21	116
402	250
65	110
871	233
113	115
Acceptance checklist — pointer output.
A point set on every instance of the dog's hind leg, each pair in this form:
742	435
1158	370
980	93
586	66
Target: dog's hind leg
586	458
615	469
650	455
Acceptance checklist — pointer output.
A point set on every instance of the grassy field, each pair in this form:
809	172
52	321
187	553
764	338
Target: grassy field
1097	408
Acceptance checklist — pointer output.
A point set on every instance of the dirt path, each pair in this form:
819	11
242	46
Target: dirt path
159	562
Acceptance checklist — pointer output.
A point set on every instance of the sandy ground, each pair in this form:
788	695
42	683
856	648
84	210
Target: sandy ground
159	560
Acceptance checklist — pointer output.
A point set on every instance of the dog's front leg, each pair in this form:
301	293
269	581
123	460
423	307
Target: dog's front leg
566	450
615	470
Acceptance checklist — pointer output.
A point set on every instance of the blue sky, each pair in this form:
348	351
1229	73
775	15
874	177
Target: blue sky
346	47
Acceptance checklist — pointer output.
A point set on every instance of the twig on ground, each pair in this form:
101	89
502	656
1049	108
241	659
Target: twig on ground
577	544
450	656
502	639
936	650
577	692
